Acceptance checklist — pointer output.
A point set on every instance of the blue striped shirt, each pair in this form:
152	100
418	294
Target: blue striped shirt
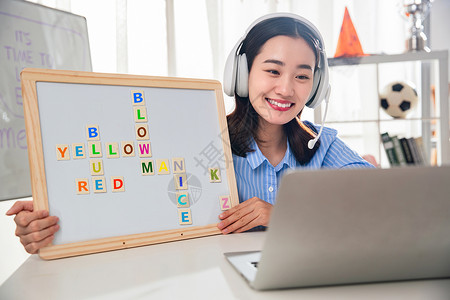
256	177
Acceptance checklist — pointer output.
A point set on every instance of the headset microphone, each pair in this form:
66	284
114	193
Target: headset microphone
313	141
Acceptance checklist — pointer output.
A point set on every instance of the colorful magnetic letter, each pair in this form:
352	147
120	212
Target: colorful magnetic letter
82	186
182	199
225	202
78	151
95	149
163	166
92	133
117	184
140	114
127	149
184	216
147	167
138	97
141	131
112	150
180	181
214	175
144	149
96	166
178	165
99	184
62	152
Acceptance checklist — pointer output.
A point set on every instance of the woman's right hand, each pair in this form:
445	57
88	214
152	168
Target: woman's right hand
35	229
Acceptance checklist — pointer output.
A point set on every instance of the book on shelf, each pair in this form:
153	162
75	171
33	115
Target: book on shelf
406	151
399	151
402	151
417	158
422	151
389	148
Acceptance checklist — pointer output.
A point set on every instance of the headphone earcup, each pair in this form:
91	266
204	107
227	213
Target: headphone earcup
321	89
242	76
229	74
313	97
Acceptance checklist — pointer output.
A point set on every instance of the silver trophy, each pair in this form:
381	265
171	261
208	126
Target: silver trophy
417	11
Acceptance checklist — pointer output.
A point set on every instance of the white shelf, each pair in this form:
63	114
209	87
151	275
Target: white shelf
388	58
440	59
383	120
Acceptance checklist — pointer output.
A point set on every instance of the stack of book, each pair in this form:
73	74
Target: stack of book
404	151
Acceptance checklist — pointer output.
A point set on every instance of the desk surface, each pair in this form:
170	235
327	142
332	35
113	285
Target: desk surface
190	269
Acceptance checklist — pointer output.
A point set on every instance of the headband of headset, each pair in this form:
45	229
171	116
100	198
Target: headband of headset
235	79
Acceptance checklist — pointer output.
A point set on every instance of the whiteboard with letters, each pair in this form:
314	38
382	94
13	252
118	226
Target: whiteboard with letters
126	160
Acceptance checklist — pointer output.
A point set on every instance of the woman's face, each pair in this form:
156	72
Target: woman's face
281	79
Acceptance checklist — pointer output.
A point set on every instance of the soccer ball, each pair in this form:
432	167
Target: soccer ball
398	99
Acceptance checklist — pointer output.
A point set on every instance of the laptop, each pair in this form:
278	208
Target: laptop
332	227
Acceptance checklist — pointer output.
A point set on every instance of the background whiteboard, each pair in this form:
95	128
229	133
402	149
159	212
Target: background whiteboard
31	35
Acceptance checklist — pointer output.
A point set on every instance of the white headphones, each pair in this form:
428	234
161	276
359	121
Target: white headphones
235	79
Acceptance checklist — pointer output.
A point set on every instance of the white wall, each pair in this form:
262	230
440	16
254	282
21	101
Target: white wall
440	24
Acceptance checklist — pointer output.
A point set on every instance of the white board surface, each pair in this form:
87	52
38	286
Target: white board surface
181	123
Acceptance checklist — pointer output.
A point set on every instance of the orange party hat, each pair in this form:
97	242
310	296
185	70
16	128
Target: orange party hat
348	43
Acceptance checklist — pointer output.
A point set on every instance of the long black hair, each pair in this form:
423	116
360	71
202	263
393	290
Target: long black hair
243	121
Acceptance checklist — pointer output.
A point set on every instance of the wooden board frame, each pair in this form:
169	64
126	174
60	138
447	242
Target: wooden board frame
36	155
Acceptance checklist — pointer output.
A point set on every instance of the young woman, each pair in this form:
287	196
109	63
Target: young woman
276	69
279	67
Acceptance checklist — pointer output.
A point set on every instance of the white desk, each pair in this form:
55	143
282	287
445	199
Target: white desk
190	269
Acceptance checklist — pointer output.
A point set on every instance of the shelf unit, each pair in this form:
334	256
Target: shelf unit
440	59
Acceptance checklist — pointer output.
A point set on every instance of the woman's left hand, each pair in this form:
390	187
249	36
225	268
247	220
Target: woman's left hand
245	216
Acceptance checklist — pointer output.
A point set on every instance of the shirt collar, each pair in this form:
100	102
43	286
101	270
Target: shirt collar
256	158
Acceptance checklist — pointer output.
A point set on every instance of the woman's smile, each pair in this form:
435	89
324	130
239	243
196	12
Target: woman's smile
280	105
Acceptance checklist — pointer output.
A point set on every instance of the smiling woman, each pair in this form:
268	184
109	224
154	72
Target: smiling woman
282	55
274	71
